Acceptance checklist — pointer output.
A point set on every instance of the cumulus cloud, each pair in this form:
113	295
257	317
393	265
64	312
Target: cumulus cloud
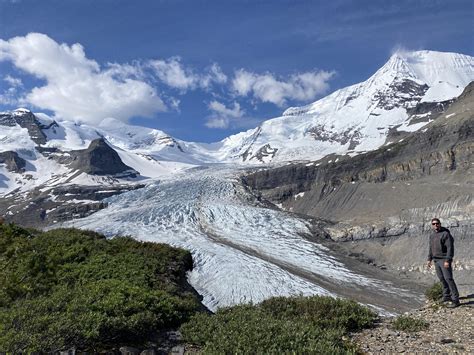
9	96
267	88
76	87
174	74
222	116
216	75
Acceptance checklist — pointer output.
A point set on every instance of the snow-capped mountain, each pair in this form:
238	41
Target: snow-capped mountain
53	153
402	96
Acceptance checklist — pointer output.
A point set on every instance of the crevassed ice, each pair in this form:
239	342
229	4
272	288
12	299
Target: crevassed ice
242	251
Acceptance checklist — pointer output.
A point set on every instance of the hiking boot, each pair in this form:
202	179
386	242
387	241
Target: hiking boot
444	300
454	304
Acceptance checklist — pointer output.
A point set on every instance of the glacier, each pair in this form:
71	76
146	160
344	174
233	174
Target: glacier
243	250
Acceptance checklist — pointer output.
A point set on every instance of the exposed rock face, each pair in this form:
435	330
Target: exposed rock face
391	193
25	119
12	161
444	148
44	206
424	107
320	133
99	159
264	152
400	93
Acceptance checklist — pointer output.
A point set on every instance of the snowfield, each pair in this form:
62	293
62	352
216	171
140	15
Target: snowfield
242	251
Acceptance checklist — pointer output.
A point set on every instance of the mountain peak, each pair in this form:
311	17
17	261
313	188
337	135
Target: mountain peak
430	67
21	110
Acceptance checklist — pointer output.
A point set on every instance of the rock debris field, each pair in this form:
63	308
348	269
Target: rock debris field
450	331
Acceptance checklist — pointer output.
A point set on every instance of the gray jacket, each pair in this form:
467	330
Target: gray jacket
441	245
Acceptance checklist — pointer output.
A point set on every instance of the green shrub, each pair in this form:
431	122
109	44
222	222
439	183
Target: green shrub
280	325
409	324
324	312
435	292
68	287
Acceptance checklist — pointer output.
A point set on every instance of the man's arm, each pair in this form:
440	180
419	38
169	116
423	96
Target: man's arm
430	253
449	242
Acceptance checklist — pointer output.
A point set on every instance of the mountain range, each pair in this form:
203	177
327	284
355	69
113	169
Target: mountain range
408	92
39	153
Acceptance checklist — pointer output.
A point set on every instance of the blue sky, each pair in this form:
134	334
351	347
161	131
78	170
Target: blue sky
202	70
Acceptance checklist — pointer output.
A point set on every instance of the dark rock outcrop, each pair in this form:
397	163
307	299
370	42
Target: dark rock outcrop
99	159
25	119
12	161
320	133
401	93
44	206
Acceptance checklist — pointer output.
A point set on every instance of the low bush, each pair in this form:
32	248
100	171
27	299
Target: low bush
70	288
280	325
435	292
409	324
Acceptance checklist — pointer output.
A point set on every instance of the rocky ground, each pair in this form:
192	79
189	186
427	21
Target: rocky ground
449	331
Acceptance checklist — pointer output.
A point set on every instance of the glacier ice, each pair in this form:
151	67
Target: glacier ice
243	251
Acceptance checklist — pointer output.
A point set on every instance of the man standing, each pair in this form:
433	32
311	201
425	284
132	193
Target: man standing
441	251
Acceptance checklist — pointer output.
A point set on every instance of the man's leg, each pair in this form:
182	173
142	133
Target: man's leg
439	272
448	276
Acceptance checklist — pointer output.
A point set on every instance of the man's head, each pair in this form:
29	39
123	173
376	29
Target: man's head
436	224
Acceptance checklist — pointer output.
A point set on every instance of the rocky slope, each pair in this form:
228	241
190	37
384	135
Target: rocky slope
449	331
390	194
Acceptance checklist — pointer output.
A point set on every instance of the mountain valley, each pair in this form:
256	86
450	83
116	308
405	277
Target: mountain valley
332	198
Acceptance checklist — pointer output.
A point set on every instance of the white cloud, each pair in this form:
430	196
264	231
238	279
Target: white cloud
267	88
216	74
10	95
222	116
174	74
124	71
14	82
76	87
174	103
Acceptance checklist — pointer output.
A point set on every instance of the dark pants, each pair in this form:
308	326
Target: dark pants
445	276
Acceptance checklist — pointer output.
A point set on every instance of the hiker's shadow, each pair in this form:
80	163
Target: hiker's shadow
468	298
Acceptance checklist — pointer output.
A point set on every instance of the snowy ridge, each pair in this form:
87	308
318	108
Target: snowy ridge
150	152
350	121
357	118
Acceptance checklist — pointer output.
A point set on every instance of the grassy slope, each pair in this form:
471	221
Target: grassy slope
68	287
